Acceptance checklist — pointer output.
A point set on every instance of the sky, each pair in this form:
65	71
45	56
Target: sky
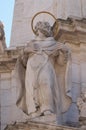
6	16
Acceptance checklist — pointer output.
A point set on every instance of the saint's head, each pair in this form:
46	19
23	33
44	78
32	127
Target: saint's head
43	29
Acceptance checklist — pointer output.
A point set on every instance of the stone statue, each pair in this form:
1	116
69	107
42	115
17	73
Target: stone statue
43	74
2	38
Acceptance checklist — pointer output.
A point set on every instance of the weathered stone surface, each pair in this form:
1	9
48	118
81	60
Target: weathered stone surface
47	74
37	126
67	33
5	115
6	97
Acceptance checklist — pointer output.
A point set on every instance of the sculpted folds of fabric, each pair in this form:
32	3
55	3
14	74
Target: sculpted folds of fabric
43	74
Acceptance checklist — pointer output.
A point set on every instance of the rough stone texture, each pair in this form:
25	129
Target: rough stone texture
24	10
73	33
37	126
8	110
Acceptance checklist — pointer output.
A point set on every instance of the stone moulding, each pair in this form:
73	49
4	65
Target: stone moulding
8	59
71	29
37	126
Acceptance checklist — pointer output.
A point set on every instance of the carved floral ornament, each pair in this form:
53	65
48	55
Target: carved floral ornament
44	12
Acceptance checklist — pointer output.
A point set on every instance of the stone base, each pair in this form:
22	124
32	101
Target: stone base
49	119
39	126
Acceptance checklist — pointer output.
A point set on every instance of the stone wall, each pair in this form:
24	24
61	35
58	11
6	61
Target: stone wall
37	126
8	110
5	96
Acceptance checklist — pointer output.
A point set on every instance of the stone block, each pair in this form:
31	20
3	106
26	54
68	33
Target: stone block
5	75
74	9
6	97
75	56
13	79
83	74
75	73
13	82
13	91
84	8
6	115
19	10
6	84
75	91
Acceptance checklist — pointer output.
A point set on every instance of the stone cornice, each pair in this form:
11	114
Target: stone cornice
8	59
71	30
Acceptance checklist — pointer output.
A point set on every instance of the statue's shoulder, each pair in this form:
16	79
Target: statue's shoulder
31	42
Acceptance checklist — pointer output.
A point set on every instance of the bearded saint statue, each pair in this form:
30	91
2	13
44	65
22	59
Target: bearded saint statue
43	74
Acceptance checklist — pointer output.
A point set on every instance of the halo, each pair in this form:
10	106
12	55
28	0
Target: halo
42	12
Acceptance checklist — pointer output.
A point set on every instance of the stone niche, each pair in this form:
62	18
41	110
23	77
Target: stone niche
71	32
